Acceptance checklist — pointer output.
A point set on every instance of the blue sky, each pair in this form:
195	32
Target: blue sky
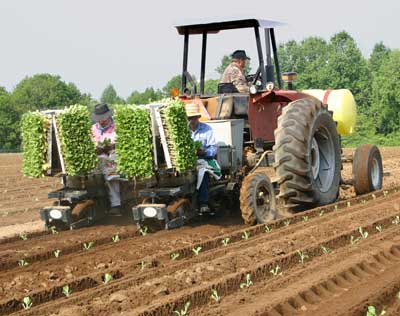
133	44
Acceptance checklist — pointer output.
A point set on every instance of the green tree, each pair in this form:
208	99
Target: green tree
225	62
386	94
110	96
147	96
308	59
44	91
211	86
347	69
379	54
9	123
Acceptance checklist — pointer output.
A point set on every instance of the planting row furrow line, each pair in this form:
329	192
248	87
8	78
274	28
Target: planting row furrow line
227	285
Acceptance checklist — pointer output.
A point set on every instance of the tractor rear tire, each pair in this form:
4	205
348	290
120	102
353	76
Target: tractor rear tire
257	199
307	155
367	169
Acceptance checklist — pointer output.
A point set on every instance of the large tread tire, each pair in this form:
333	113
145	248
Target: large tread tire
367	169
252	211
301	123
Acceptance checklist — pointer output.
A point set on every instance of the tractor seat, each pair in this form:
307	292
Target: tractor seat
227	87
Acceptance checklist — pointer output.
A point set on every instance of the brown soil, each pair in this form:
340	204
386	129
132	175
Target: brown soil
352	273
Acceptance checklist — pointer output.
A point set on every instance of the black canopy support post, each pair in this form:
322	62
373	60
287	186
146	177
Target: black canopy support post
203	62
260	55
274	49
269	68
185	60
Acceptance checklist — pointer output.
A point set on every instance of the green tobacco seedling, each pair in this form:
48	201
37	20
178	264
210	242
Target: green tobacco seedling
183	311
88	245
27	302
196	250
66	290
246	235
174	256
226	241
107	278
215	296
57	253
248	281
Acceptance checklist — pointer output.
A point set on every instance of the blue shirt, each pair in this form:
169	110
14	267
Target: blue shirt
205	134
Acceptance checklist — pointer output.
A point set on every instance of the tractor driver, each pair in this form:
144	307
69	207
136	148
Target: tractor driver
234	72
103	134
206	153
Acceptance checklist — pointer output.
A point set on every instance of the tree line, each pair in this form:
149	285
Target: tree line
320	64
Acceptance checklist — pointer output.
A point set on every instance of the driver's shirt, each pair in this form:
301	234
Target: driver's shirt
233	74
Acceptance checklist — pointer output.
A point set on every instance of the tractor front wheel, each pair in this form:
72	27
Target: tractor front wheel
257	199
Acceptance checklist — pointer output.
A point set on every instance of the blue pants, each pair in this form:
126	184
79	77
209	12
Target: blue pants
203	191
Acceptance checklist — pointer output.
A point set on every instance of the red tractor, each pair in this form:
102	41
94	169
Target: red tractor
291	147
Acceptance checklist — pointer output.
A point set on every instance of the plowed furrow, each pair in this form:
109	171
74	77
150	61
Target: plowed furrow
230	268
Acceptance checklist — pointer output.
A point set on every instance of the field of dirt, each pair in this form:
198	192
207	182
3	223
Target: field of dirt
333	260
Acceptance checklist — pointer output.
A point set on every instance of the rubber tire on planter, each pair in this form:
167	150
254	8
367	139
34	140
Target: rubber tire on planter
307	155
253	204
367	169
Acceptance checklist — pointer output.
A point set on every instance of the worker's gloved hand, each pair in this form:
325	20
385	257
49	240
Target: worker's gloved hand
109	148
99	150
201	152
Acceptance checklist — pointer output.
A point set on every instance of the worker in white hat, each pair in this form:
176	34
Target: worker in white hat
203	133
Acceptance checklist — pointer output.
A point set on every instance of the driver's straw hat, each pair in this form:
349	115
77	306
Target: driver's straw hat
192	109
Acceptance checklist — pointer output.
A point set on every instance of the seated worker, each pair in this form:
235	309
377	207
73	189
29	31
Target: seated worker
103	134
234	72
208	151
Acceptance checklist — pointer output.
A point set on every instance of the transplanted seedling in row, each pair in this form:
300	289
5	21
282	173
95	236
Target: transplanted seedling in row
246	235
183	311
363	233
23	236
396	220
248	282
348	203
374	196
27	302
142	265
107	278
379	228
57	253
67	290
325	250
276	271
336	208
215	296
398	296
385	193
88	245
23	263
372	311
116	238
174	256
196	250
305	218
354	240
143	230
321	213
268	229
303	256
226	241
287	222
53	230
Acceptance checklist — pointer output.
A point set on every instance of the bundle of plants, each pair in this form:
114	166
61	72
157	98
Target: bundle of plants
180	144
34	144
133	143
77	147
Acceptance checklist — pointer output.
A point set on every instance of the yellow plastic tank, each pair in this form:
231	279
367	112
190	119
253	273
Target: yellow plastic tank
342	103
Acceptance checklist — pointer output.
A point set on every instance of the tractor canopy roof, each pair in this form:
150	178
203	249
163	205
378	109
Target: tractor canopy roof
207	26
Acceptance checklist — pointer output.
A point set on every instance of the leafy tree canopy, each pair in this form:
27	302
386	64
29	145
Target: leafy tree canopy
110	96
